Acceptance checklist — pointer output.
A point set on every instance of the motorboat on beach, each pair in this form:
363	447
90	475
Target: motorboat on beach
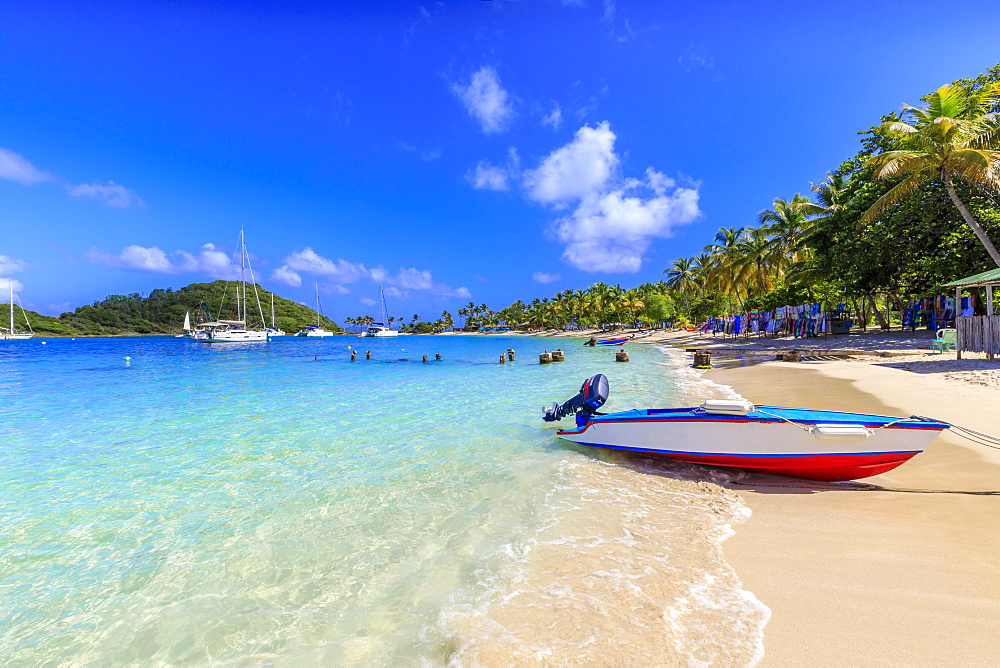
796	442
606	342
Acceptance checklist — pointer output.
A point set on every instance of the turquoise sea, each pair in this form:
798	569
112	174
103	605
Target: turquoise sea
278	503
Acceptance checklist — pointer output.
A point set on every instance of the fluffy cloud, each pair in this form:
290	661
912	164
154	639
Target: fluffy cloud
554	117
5	284
576	170
542	277
285	275
486	100
208	260
490	177
110	194
10	265
15	168
611	230
308	261
615	219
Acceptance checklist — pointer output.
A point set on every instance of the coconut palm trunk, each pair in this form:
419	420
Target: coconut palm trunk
970	220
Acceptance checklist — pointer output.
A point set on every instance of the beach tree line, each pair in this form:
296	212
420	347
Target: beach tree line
916	207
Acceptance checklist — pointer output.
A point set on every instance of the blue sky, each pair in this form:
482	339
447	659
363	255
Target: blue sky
473	150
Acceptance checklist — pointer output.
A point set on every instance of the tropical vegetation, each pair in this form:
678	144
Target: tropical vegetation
162	312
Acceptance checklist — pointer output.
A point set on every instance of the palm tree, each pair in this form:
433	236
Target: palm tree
683	276
954	137
787	222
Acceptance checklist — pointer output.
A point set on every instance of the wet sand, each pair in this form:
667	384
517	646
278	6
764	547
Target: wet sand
876	577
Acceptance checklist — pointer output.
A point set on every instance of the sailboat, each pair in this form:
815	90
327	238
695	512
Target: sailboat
12	334
235	331
380	328
315	330
273	330
186	327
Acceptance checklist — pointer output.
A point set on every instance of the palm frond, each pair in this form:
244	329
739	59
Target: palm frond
897	194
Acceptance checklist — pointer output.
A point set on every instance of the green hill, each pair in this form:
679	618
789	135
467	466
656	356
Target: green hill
162	312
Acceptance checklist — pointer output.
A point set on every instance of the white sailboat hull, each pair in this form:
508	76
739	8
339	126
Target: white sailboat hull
316	333
230	336
380	332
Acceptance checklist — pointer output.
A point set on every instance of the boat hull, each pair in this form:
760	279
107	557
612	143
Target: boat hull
381	333
762	443
230	337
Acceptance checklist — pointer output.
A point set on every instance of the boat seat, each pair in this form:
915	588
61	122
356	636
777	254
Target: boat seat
946	340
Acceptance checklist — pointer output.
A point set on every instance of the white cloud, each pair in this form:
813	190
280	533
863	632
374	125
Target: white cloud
611	230
486	100
10	265
491	177
5	284
615	219
15	168
286	276
368	301
110	195
210	261
577	169
146	259
542	277
414	279
310	262
488	177
554	117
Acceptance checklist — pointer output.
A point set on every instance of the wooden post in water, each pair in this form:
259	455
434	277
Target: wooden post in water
702	359
557	355
621	356
545	358
503	358
510	354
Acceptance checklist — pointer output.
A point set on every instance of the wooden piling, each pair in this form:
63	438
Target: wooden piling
557	355
503	358
368	355
621	356
545	358
510	354
702	359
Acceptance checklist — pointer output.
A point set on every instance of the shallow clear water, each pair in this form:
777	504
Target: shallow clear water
279	503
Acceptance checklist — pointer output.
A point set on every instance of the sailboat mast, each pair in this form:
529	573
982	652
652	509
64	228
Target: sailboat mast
317	303
243	266
10	284
273	325
385	313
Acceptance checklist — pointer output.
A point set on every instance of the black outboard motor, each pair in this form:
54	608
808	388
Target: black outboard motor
592	396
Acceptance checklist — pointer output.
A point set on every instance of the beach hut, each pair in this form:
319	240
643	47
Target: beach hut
977	333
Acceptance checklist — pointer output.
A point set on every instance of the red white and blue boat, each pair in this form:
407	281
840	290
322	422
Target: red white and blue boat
796	442
607	342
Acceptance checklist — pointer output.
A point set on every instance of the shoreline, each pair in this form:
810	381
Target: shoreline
874	577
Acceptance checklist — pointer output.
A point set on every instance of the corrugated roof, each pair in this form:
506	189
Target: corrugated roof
987	277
